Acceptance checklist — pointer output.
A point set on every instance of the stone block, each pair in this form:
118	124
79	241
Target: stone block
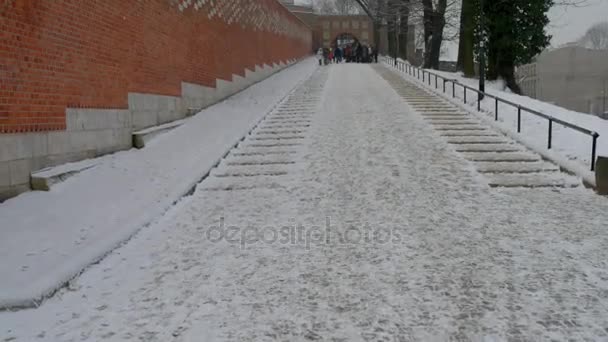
96	119
83	140
58	143
224	89
20	171
5	174
104	139
143	119
7	192
124	119
16	146
39	163
40	145
601	175
143	102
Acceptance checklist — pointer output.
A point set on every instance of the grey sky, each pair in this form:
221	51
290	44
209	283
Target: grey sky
570	23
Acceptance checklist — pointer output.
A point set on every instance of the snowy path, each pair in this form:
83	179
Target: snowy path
360	223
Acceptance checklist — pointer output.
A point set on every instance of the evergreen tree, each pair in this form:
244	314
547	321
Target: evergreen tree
515	31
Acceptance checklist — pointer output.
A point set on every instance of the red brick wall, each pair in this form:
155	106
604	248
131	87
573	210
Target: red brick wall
91	53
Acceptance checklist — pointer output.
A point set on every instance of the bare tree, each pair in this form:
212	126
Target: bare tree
337	6
596	37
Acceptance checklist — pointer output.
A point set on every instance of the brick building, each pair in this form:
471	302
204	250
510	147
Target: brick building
327	28
78	77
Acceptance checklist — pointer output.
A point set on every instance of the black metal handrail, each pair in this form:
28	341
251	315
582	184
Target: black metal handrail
416	72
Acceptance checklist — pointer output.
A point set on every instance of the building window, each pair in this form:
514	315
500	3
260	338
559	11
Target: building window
364	24
355	25
326	25
326	35
364	35
345	24
336	24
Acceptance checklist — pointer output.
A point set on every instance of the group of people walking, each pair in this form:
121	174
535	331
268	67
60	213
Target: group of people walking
355	53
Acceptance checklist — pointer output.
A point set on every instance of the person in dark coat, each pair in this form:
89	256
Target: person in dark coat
375	49
364	55
359	53
348	52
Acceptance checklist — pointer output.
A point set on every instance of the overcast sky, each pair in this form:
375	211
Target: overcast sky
569	23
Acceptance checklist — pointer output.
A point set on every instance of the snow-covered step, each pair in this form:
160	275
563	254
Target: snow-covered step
450	118
291	115
287	121
263	144
297	119
533	180
250	171
42	180
296	109
256	160
459	127
487	148
424	107
455	115
447	123
282	126
262	152
476	139
458	123
262	137
242	183
430	102
456	134
514	167
501	156
441	112
279	131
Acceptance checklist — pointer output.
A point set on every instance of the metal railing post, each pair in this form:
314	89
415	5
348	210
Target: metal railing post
444	86
550	134
479	103
518	119
435	81
594	150
496	110
465	94
453	89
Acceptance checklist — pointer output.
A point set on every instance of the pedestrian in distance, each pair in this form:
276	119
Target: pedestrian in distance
320	56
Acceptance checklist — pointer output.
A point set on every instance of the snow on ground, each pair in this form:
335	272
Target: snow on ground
574	145
48	237
382	233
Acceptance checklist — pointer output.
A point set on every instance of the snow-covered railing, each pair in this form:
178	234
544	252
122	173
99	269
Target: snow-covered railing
426	77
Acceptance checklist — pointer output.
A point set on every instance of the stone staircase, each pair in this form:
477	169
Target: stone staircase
268	157
502	161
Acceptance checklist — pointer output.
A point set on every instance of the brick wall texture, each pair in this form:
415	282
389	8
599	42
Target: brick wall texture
56	54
